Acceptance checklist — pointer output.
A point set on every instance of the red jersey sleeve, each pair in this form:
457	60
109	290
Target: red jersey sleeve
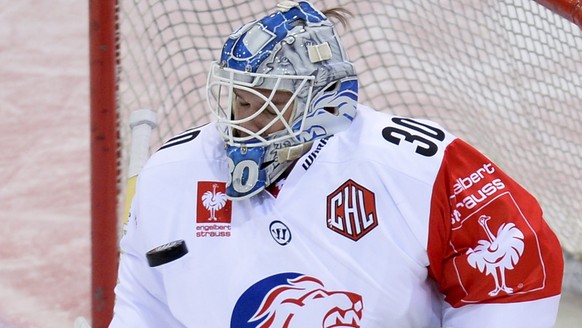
488	241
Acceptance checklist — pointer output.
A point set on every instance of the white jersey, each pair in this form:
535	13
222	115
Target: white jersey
391	223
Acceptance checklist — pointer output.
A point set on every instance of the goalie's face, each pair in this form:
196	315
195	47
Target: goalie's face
261	112
257	110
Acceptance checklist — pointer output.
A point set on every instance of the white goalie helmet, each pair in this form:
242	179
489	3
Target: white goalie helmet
296	50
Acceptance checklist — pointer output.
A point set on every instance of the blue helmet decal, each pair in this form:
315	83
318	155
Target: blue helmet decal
345	96
247	51
247	176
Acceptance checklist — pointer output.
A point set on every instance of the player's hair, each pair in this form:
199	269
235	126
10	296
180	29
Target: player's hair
339	15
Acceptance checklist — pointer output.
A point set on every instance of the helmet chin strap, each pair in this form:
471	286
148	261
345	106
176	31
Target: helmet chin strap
294	152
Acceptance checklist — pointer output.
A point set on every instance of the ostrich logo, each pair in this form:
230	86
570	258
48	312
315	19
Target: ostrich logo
213	201
498	253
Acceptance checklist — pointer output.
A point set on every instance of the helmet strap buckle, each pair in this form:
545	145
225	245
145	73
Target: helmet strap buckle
294	152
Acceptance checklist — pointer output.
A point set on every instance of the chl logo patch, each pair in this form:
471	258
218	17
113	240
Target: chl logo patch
351	210
213	210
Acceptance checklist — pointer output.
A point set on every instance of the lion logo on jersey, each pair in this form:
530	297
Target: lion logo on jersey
296	301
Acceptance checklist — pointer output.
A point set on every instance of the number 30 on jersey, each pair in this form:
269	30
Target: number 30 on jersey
414	132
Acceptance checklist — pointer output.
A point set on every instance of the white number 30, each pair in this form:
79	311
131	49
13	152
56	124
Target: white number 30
245	168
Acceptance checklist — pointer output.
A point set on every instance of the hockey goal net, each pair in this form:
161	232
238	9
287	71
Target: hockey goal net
502	74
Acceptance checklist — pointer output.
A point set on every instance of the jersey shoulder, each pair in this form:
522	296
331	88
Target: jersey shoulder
411	146
197	144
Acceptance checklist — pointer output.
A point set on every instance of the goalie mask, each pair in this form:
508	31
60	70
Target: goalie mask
296	73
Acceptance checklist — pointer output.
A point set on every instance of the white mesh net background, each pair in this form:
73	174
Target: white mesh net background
503	75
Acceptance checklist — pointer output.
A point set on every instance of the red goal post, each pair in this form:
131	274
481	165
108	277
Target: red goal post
569	9
505	75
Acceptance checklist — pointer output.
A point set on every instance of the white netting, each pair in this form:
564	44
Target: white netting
504	75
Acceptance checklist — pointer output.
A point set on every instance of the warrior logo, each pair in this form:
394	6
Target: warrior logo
293	300
280	232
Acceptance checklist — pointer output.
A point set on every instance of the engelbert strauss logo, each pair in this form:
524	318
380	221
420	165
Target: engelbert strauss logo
213	210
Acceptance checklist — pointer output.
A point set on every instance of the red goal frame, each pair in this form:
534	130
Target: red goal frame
569	9
105	146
